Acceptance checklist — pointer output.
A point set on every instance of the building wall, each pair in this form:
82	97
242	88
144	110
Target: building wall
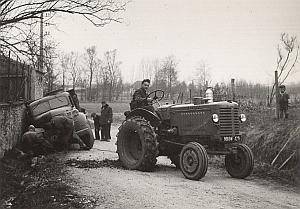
11	126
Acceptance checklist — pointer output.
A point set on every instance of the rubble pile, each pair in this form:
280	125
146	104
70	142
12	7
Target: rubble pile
94	163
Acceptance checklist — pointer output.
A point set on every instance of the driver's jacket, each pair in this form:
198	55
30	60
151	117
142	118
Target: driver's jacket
139	99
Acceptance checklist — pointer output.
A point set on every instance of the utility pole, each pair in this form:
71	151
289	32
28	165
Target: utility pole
233	90
41	60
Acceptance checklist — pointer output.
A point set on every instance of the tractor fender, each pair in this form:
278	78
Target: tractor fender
154	120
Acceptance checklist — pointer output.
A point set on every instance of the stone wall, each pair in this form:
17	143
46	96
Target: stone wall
13	93
11	126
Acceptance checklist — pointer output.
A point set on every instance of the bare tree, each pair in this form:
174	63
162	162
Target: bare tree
64	63
202	74
149	67
49	58
17	16
288	51
112	67
99	78
74	67
105	81
70	65
166	76
91	59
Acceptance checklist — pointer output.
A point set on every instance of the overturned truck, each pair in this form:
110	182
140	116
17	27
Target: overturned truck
186	133
60	103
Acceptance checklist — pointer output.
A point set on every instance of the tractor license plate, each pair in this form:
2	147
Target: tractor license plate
231	138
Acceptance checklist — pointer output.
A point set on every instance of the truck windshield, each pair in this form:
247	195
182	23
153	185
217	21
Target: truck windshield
58	102
51	104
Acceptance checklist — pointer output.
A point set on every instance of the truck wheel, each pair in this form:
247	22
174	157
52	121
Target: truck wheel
175	160
193	161
137	146
88	139
240	165
81	123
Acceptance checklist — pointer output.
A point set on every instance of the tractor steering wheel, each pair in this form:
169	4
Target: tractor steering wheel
155	97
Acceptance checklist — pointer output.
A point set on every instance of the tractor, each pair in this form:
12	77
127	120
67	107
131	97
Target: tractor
186	133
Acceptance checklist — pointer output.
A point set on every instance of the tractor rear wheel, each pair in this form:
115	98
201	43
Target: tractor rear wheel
137	146
193	161
240	165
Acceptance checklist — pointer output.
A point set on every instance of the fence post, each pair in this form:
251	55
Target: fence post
17	79
29	82
24	82
8	77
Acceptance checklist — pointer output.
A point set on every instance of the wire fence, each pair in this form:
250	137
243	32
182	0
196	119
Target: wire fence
15	79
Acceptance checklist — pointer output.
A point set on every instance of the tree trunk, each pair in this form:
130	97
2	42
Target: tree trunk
63	79
110	92
104	90
90	88
97	91
277	94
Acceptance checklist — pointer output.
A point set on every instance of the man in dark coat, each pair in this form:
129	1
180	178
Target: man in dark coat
283	99
139	98
105	121
96	119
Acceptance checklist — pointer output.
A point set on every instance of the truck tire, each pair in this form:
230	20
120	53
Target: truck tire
83	129
88	138
240	165
193	161
137	146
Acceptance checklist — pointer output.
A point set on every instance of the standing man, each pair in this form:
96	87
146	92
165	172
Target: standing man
283	102
139	98
105	121
96	119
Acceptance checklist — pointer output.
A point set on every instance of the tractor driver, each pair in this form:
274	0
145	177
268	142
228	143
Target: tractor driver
140	100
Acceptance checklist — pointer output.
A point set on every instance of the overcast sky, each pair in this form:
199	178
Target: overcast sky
236	38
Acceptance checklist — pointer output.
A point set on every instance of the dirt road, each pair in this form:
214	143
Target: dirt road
167	187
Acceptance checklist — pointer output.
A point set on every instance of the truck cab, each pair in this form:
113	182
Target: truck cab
60	103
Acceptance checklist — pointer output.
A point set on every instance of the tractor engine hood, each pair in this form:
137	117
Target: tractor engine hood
165	110
184	106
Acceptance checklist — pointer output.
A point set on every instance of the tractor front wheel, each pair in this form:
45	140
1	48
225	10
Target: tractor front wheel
240	165
193	161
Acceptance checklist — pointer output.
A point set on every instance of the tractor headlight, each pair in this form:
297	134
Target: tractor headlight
215	118
243	118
